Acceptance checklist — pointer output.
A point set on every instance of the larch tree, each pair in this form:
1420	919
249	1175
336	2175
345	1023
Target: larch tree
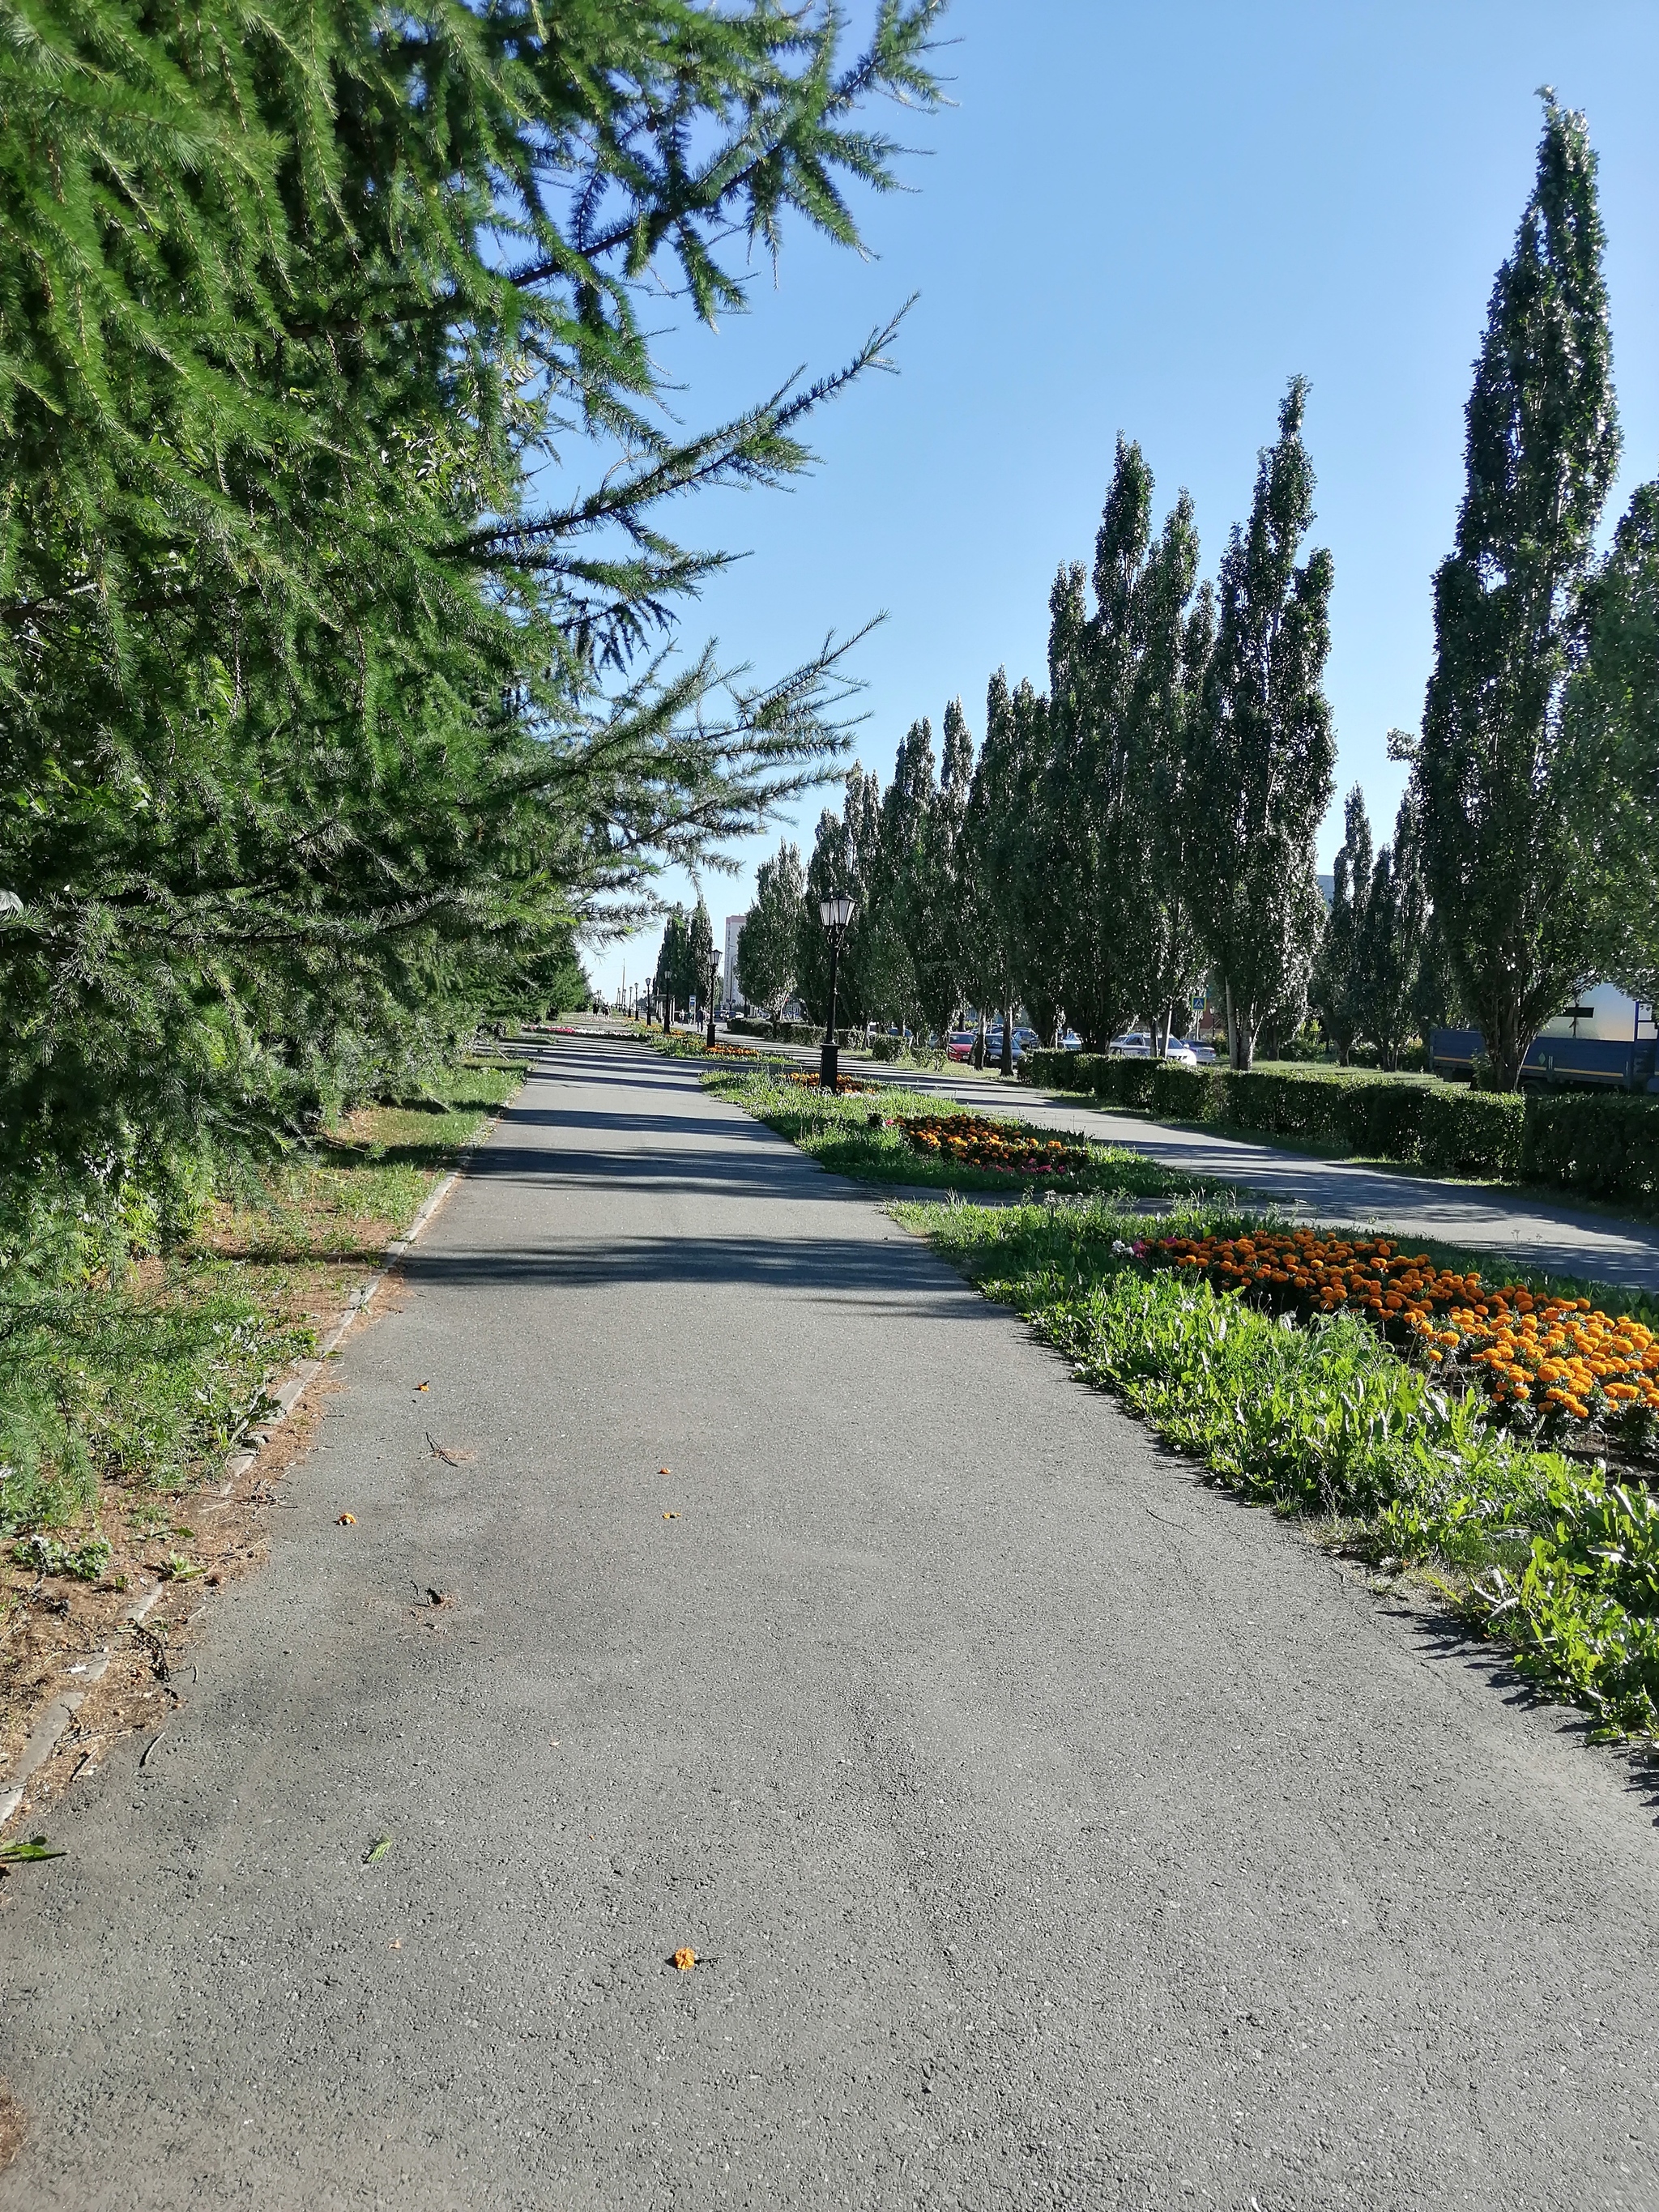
337	599
1512	807
1263	748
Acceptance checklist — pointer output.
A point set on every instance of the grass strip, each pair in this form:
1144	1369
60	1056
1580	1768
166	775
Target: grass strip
861	1136
1322	1419
114	1391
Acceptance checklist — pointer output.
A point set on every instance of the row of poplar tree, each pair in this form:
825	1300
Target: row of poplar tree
1147	824
335	601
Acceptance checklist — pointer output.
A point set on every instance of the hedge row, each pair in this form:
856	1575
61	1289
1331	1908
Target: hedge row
1603	1143
788	1032
1439	1125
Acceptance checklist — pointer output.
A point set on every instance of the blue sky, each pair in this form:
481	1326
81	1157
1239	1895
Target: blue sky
1147	219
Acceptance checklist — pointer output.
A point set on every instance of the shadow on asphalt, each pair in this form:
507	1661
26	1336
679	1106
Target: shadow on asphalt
902	1278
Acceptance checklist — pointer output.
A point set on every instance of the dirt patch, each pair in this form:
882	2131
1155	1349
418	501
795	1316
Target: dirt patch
56	1631
11	2125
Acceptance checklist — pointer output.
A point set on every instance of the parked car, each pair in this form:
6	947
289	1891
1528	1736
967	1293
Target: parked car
1203	1055
1070	1041
959	1045
1138	1044
1025	1040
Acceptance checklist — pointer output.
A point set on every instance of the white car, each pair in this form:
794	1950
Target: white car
1137	1044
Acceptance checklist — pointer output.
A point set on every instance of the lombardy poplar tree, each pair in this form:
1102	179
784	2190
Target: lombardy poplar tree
1613	727
1264	750
673	971
995	885
1394	926
1511	808
704	961
769	942
1162	954
1337	988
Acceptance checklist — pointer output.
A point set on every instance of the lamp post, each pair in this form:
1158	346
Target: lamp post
836	913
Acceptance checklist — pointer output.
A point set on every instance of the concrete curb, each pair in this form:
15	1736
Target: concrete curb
52	1725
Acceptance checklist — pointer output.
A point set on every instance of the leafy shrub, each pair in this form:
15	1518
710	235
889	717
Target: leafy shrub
1473	1132
1604	1143
81	1563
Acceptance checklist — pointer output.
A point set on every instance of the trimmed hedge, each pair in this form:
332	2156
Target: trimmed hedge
788	1032
1603	1143
1440	1126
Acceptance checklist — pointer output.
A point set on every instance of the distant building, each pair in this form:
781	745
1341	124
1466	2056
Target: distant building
733	929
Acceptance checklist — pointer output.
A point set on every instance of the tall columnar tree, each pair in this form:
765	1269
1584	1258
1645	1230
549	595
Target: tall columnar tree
769	942
1070	961
1394	928
673	976
1337	989
704	961
1263	749
997	887
846	856
1511	808
1612	729
1162	954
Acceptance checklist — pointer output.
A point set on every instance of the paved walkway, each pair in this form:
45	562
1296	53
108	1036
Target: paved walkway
1052	1830
1529	1232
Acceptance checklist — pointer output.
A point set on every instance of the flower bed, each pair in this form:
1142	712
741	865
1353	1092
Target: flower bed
1549	1364
846	1086
973	1141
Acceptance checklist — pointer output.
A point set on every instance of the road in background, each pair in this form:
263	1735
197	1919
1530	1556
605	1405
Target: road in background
1051	1829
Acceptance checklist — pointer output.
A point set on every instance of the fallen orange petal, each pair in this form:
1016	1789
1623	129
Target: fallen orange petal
348	1521
685	1958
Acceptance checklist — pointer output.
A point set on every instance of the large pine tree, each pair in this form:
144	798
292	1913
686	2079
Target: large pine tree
1511	810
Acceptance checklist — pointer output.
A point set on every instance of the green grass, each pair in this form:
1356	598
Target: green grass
1327	1423
849	1136
144	1382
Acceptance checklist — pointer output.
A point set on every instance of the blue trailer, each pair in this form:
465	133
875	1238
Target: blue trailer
1578	1060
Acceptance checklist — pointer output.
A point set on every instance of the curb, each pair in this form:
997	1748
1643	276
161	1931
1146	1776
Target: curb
50	1729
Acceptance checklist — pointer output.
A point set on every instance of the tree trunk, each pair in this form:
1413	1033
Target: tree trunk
979	1044
1007	1063
1232	1030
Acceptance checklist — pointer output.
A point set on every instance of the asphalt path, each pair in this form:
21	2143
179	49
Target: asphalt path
1529	1232
1052	1830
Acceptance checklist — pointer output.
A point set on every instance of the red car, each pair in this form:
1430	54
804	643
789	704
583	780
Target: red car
959	1045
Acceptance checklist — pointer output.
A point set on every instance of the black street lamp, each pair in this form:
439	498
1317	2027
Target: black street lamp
836	913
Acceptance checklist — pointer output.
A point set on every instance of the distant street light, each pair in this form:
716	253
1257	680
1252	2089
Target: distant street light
836	913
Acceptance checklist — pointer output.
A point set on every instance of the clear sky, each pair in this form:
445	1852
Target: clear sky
1147	219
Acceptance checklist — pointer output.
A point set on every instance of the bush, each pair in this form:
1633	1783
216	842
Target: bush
1605	1144
1473	1132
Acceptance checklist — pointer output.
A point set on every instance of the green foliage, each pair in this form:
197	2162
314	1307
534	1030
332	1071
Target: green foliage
1265	750
769	942
325	730
1601	1143
81	1563
1513	804
1336	990
1395	928
113	1385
